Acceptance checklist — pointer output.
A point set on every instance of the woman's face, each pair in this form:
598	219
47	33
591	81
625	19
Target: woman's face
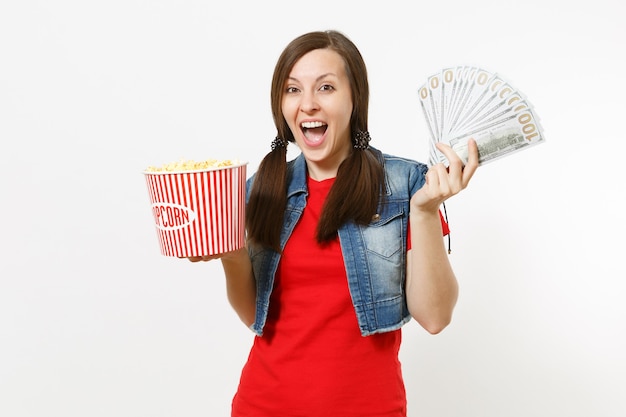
317	105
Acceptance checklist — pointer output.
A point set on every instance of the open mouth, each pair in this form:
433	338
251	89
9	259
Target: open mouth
313	131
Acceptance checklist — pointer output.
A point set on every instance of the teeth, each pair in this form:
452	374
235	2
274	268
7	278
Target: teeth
311	125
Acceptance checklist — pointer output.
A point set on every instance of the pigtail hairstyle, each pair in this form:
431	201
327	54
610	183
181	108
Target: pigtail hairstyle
268	197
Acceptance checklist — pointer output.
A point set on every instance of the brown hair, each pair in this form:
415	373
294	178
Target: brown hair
355	194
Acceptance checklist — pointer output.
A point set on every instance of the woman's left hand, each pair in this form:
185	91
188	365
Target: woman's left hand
443	182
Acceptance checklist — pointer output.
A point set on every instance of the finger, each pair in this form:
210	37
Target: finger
438	182
472	161
455	164
196	258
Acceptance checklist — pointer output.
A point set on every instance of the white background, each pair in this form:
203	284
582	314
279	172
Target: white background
95	322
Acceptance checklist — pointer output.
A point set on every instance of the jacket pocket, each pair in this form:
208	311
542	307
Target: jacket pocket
384	236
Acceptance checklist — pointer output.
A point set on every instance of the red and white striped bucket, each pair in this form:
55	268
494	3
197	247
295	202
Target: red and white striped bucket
199	213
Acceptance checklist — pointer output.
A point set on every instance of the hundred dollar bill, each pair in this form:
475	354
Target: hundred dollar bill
511	134
436	102
454	78
465	76
431	123
448	85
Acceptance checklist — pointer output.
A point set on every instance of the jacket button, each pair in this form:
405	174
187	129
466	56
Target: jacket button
375	217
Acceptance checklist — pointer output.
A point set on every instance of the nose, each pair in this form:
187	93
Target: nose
309	102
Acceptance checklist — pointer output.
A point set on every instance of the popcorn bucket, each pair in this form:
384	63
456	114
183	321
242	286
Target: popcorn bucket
199	212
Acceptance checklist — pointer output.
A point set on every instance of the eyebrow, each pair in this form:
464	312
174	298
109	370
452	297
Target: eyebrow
318	78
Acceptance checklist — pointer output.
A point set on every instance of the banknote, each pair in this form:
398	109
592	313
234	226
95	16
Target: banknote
467	102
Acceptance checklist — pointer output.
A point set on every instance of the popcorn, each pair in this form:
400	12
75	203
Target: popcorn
191	165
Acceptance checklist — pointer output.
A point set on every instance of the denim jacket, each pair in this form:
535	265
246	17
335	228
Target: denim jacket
374	255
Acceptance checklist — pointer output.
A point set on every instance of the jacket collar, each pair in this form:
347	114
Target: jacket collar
296	176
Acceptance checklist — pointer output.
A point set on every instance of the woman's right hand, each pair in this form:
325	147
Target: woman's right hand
202	258
224	255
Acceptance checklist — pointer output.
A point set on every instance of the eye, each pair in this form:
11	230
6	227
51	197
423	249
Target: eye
291	90
327	87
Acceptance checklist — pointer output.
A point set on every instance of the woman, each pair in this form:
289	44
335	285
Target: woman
344	247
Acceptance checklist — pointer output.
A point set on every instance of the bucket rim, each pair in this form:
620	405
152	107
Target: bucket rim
192	171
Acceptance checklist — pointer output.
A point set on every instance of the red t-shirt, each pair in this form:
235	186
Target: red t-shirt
312	360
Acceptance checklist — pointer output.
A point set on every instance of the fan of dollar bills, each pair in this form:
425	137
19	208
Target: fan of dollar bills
466	102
